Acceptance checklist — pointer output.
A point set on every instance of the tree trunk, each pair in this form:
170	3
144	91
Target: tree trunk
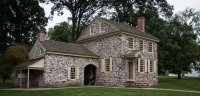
179	74
4	81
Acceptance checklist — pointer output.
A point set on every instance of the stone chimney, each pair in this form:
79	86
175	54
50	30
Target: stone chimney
40	35
141	23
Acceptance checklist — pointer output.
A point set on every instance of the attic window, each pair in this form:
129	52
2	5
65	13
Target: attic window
101	27
93	29
40	51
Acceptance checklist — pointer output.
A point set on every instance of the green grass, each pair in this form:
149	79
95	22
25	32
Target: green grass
186	83
96	91
164	82
7	84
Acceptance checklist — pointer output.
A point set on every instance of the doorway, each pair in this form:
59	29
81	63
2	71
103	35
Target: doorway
89	75
131	70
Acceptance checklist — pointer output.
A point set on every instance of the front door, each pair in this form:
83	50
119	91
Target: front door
131	70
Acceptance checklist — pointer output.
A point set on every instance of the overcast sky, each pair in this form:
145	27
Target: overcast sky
179	5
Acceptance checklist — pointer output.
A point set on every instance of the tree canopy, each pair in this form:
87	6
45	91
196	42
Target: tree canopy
178	47
60	32
19	20
81	10
14	55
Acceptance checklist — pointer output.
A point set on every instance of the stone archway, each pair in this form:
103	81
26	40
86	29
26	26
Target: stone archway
89	74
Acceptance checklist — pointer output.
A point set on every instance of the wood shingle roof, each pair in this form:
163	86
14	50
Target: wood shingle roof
63	47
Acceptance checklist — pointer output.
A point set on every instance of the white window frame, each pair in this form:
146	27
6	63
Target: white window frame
103	65
144	65
100	27
91	32
150	49
76	73
129	38
142	45
153	66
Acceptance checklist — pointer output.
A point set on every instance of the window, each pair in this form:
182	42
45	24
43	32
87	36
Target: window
93	29
101	27
73	73
151	67
40	51
150	47
130	43
142	65
106	65
141	44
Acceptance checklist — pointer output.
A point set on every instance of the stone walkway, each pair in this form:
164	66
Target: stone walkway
32	89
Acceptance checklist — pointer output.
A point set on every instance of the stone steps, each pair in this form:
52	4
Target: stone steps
139	84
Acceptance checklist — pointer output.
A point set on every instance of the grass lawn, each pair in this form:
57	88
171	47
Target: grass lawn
186	83
96	91
164	82
7	84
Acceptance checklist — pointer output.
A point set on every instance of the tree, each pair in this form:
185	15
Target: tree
178	48
129	10
19	20
80	10
14	55
60	32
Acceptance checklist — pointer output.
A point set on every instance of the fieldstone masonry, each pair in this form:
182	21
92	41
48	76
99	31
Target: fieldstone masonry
115	46
56	69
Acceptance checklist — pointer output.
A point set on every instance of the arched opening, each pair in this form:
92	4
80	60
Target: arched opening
89	75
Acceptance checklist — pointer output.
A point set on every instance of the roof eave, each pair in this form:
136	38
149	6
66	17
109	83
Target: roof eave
114	33
71	54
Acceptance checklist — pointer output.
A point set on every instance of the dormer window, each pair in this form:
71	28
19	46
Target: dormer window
93	29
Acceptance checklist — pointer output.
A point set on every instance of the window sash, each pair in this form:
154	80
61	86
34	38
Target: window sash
141	44
150	47
151	66
73	73
142	65
130	43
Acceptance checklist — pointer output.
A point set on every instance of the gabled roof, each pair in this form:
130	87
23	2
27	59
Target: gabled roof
63	47
128	28
121	28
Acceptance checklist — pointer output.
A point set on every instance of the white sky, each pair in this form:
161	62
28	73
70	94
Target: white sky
179	5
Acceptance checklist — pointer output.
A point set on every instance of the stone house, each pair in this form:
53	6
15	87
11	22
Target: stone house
107	53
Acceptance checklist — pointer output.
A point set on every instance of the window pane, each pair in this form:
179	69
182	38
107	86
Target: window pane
151	66
130	43
141	44
72	75
150	47
107	64
141	65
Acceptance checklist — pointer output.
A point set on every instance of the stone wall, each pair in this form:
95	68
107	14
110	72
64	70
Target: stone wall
149	78
116	47
37	51
56	69
110	47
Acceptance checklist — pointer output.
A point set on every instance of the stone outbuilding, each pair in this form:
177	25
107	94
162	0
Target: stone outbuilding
107	53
